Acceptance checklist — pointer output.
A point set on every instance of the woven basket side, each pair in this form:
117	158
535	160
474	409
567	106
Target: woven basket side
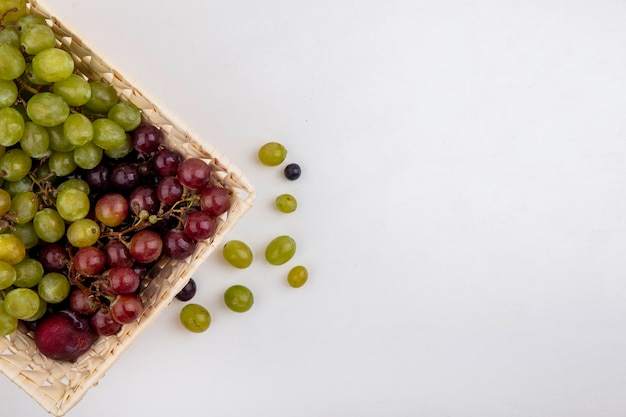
58	386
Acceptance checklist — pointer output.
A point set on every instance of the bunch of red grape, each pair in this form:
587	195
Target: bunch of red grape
90	199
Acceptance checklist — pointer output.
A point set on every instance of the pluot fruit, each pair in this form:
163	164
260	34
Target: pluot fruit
64	335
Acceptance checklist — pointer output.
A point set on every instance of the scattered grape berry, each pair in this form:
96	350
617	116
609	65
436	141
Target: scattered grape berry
292	172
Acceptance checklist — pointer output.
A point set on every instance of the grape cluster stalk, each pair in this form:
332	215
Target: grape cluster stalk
91	197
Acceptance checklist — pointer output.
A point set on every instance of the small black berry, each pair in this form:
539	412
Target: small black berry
292	172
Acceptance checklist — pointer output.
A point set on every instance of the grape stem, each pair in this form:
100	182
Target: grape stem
4	15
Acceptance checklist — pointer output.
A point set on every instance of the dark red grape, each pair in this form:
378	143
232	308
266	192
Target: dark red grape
188	291
125	176
117	254
103	323
215	200
146	246
146	138
193	173
123	280
165	162
83	302
143	198
54	257
126	308
89	260
169	190
177	245
98	178
200	225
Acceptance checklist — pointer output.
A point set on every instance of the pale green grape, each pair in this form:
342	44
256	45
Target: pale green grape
5	201
12	249
83	232
14	187
49	225
297	276
11	126
272	154
21	303
12	63
88	156
8	93
24	205
107	134
11	37
8	323
15	164
62	163
72	204
78	129
33	78
35	141
53	287
75	90
26	233
7	275
36	38
238	298
43	309
12	10
195	318
125	114
286	203
58	141
238	254
29	272
30	19
53	64
78	183
280	250
122	151
47	109
103	97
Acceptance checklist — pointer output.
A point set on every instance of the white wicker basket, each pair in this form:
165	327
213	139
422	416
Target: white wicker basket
58	386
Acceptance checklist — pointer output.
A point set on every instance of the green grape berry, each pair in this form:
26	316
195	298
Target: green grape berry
24	206
272	154
53	287
8	323
28	273
108	134
286	203
103	97
35	141
15	164
74	89
47	109
83	232
77	129
238	298
238	254
72	204
195	318
12	62
297	276
11	126
8	93
280	250
7	275
49	225
53	64
36	38
21	303
125	114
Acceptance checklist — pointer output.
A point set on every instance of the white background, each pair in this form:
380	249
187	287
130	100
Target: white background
462	207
